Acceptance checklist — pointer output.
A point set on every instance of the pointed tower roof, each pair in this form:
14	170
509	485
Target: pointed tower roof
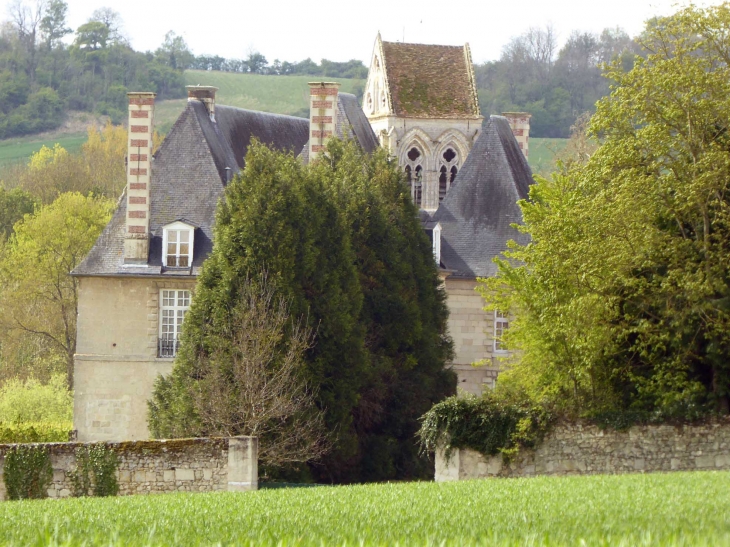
429	81
477	214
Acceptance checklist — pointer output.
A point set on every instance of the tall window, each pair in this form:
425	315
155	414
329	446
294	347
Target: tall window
501	324
447	173
174	304
178	245
414	174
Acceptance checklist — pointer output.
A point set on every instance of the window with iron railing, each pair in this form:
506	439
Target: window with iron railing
174	304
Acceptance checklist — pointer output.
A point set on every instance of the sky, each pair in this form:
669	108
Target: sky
339	31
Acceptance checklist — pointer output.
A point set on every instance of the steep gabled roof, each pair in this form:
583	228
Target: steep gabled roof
188	177
477	213
430	81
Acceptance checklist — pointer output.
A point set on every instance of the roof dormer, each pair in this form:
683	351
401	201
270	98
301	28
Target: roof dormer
178	240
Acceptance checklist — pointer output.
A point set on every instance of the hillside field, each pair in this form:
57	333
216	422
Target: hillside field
279	94
679	509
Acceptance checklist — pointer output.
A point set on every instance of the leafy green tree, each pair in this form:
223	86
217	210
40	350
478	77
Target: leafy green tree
174	52
14	204
622	300
38	299
276	218
53	25
404	313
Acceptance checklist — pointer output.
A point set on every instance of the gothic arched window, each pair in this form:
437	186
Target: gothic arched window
414	174
449	161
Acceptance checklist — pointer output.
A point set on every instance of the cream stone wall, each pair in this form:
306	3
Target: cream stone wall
585	449
116	359
155	467
472	330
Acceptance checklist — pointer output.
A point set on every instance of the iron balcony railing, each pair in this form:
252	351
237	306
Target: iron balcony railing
167	348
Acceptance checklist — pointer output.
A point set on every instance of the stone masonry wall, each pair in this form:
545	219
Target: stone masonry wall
152	467
581	449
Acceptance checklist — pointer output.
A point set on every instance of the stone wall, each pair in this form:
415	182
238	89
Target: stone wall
154	467
581	449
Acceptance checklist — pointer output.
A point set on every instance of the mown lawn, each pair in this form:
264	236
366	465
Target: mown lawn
661	509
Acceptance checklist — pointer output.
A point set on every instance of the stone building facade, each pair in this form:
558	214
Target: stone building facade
422	103
466	173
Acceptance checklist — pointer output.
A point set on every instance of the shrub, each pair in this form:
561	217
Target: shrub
486	424
31	401
95	473
27	472
35	432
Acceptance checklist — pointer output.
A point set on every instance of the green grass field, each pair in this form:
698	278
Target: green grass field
19	150
630	510
278	94
543	153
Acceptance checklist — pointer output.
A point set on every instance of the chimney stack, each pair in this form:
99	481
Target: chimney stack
520	124
322	115
206	95
139	156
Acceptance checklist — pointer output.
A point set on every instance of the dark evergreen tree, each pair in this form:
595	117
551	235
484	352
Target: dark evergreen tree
339	239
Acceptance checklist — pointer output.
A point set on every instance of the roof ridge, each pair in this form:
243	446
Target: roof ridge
472	77
384	69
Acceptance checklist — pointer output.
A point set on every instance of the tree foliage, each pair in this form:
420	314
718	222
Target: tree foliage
42	76
340	241
555	85
622	299
38	299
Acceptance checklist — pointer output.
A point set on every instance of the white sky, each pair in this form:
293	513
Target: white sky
294	30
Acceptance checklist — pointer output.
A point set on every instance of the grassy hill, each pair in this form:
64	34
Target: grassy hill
279	94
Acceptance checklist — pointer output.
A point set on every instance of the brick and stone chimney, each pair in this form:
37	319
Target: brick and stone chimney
520	124
204	94
139	156
322	115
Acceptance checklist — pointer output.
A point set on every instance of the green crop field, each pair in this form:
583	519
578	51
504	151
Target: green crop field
19	150
686	509
543	153
278	94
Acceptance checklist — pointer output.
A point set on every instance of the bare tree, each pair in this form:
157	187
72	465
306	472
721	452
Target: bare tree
27	19
255	383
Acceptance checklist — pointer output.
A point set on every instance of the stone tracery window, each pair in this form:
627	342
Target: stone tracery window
449	161
414	174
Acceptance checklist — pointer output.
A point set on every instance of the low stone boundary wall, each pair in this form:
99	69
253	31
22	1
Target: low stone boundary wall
152	467
581	449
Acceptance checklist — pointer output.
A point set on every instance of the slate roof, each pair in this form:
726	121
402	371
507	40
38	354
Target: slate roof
430	81
351	124
479	208
188	176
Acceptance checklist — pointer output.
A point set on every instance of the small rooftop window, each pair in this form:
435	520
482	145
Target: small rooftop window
177	245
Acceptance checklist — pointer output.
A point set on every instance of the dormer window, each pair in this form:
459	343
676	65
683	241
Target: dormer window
177	245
